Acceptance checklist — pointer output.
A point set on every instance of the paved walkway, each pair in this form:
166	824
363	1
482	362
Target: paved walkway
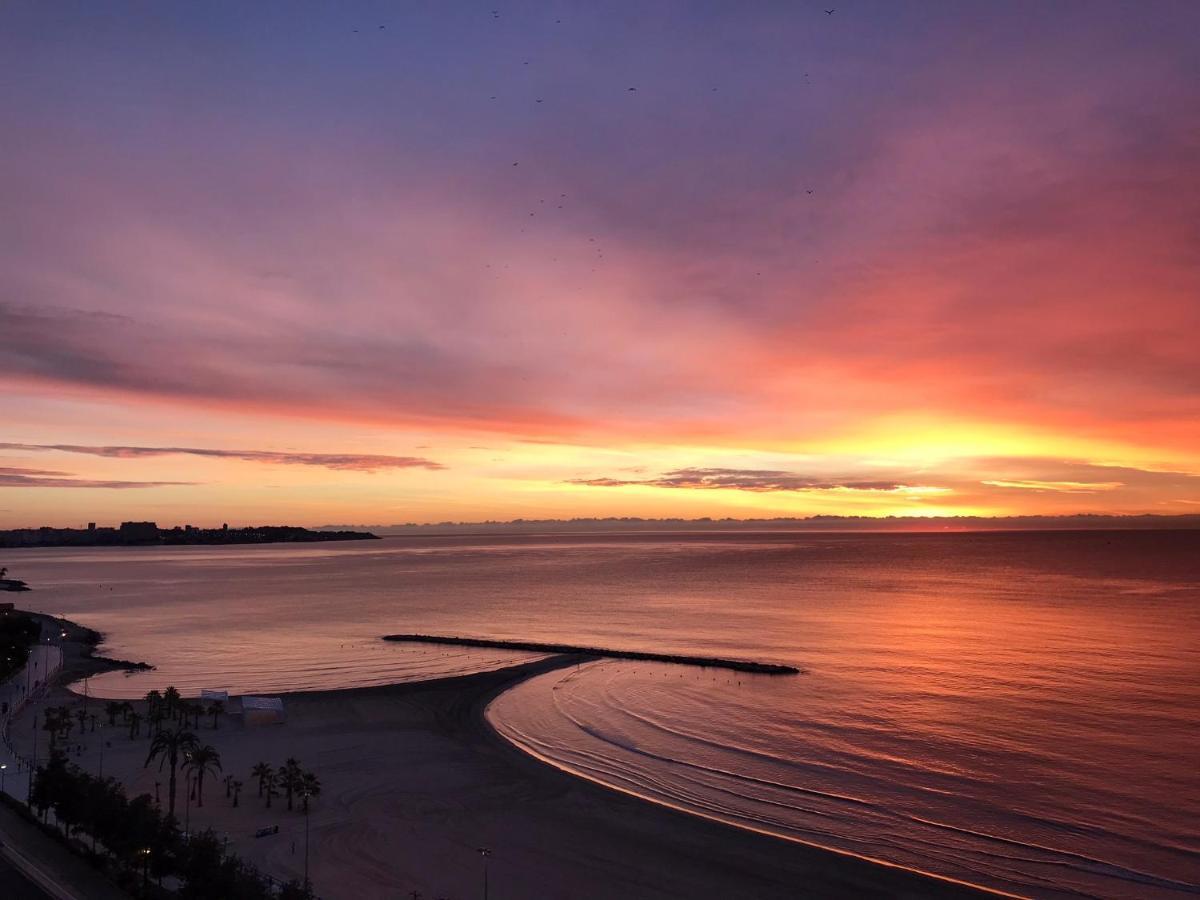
33	865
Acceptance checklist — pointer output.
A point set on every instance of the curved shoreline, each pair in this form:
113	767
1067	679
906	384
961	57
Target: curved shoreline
429	765
550	763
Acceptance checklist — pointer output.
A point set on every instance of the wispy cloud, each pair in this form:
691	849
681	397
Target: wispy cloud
1062	487
349	462
743	480
43	478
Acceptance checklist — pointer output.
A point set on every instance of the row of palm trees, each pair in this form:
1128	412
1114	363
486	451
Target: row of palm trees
134	841
167	706
56	721
289	779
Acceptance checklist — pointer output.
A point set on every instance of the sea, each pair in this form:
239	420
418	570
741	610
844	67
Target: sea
1015	710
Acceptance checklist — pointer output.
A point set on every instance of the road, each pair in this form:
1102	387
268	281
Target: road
15	886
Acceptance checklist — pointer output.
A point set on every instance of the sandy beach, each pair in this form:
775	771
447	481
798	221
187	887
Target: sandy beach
415	781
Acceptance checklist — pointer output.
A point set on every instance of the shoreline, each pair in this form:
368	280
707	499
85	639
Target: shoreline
79	645
416	778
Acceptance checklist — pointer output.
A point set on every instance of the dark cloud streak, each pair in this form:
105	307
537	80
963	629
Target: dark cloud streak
43	478
345	462
764	480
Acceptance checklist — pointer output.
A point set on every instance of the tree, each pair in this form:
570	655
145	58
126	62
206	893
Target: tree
171	698
214	710
262	771
153	699
113	709
271	792
294	890
201	761
237	791
290	778
167	747
310	786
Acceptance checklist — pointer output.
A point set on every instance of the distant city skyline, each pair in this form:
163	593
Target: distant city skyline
672	260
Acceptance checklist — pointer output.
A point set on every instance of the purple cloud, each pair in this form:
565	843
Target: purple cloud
43	478
347	462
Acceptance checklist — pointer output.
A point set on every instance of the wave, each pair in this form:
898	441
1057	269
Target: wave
853	824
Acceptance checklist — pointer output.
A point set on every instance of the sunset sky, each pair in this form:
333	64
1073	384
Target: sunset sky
396	262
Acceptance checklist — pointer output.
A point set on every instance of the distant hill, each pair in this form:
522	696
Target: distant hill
809	523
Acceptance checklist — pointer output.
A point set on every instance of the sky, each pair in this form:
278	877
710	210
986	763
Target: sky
415	262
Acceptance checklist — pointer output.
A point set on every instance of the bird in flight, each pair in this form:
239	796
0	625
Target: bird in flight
830	12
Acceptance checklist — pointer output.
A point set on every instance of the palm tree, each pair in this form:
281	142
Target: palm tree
51	725
262	771
237	790
201	761
171	698
154	699
135	725
289	778
215	709
270	790
82	717
113	709
166	748
228	785
310	786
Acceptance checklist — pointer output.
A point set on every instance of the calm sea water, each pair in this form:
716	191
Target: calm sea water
1020	711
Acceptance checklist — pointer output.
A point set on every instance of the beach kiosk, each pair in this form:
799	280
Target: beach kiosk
262	711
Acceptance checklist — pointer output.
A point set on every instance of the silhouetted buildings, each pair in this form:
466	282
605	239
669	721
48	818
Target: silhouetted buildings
142	534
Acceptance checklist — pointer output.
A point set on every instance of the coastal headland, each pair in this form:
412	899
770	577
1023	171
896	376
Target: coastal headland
148	534
415	781
709	662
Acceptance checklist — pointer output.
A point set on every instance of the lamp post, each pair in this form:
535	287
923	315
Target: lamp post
486	854
3	768
307	885
187	809
33	763
145	870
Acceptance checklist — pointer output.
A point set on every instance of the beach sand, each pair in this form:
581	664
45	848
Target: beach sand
415	781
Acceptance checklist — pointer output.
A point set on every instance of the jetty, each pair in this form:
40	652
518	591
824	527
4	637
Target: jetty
707	662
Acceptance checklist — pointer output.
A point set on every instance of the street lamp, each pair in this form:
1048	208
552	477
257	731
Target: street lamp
187	809
145	851
486	854
3	767
307	885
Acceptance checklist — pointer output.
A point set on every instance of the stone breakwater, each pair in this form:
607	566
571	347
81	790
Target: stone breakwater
709	662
